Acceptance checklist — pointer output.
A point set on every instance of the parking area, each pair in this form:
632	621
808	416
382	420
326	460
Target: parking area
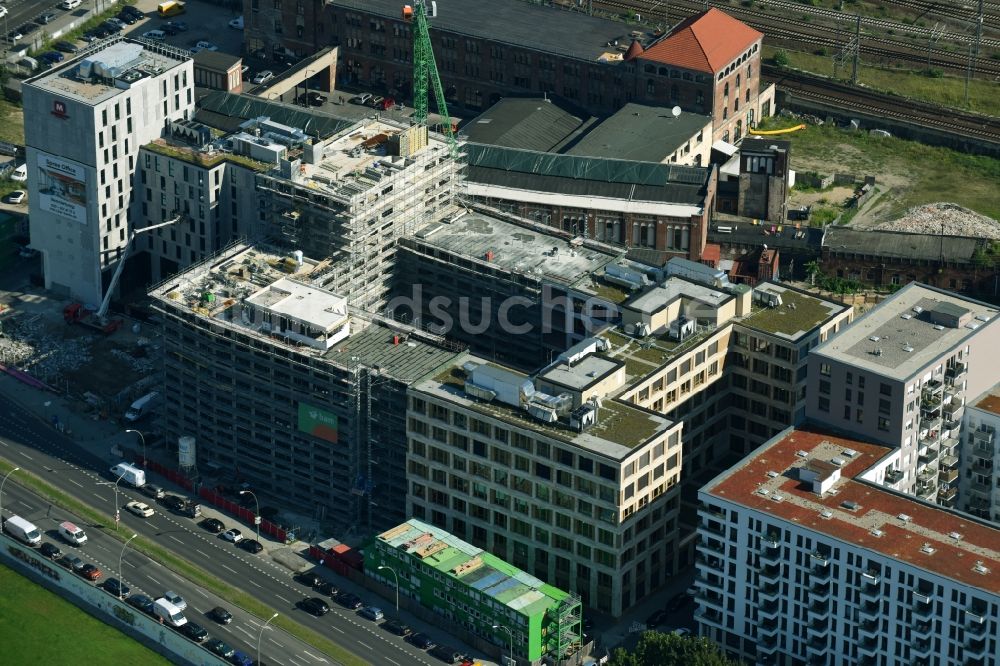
201	22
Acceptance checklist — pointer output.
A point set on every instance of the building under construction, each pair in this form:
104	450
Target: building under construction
287	387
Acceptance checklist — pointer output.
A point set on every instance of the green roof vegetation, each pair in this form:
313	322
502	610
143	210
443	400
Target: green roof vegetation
204	159
797	314
611	292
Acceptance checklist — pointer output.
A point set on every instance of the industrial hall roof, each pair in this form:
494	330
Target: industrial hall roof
226	111
640	132
705	42
529	123
898	244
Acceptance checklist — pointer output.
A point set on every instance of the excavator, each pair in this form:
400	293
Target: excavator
77	313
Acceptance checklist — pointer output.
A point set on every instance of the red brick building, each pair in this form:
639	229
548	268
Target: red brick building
709	63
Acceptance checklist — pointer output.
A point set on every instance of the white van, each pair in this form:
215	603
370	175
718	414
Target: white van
142	407
169	613
20	174
70	4
72	533
157	35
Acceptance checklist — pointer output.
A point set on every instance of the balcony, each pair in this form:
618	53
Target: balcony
769	592
820	608
713	528
922	628
868	646
949	461
975	647
713	544
932	388
953	409
929	456
922	646
920	598
955	371
870	608
818	628
947	446
926	491
708	616
769	609
974	617
947	496
984	437
770	571
932	423
769	627
981	489
947	475
894	476
820	590
767	644
870	628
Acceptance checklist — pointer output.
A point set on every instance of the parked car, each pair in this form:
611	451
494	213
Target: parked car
72	562
14	35
396	627
46	18
252	546
681	631
154	492
445	653
328	588
175	599
90	572
28	28
220	615
218	647
50	550
52	57
371	613
112	27
117	22
241	659
376	102
208	46
263	77
179	26
232	534
132	11
349	600
173	502
168	29
314	606
140	509
657	618
421	641
213	525
308	578
315	99
245	72
126	17
142	602
15	197
194	631
116	587
66	47
20	173
236	23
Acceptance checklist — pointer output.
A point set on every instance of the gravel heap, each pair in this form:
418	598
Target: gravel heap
957	221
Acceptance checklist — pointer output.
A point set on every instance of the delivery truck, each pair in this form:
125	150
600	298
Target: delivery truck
169	613
22	530
142	407
72	533
130	474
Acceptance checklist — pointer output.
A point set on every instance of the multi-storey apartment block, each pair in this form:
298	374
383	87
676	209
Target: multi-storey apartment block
707	64
551	474
89	116
900	376
284	388
804	560
979	481
477	593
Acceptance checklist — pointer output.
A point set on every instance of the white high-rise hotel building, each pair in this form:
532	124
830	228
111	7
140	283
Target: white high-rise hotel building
85	121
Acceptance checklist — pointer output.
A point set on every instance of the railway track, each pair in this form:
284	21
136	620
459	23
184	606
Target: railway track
790	27
880	105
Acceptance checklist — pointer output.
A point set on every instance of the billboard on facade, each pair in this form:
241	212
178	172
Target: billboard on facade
317	422
62	187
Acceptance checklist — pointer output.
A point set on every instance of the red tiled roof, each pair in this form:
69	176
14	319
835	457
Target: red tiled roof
952	558
712	253
634	50
705	42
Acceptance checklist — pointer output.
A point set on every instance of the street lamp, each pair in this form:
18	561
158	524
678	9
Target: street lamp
396	578
143	445
256	516
1	488
261	635
121	577
511	634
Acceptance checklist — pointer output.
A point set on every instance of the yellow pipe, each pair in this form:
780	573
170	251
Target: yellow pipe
781	131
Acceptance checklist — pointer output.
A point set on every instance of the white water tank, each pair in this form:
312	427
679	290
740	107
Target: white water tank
186	451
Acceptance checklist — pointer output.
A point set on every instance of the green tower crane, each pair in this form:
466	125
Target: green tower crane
425	69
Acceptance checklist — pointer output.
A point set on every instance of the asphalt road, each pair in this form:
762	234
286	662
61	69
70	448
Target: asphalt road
31	444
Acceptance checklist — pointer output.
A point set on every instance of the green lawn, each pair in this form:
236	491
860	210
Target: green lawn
984	96
40	627
11	122
909	173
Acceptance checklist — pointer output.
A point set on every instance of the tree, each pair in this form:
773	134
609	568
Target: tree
781	58
659	649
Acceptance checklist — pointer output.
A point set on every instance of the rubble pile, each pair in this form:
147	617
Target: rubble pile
143	365
956	221
28	345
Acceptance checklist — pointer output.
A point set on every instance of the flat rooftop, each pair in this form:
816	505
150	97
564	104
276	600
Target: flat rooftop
301	302
473	567
620	427
658	297
899	328
875	524
134	60
641	133
538	28
216	290
588	370
798	314
989	400
514	248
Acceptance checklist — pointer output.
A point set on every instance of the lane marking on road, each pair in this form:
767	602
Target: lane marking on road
365	645
78	485
245	632
392	661
176	539
25	455
201	592
283	599
276	643
230	569
153	579
311	654
252	582
336	628
98	496
293	661
200	553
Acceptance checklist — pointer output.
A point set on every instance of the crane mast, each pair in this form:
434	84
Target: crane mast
425	71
